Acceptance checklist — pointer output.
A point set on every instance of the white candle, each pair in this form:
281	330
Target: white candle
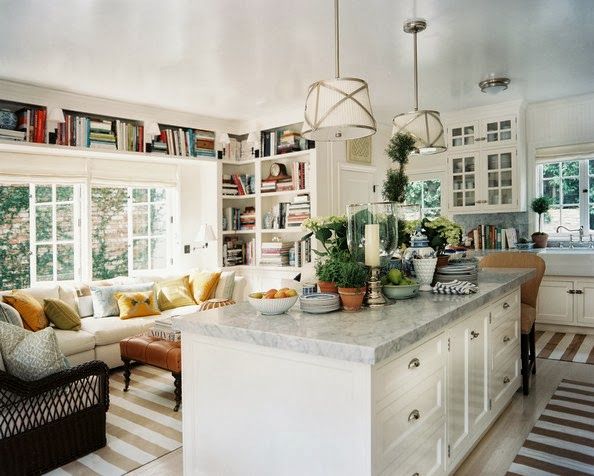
372	242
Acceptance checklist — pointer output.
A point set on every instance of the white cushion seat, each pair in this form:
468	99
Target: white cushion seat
73	342
180	311
111	330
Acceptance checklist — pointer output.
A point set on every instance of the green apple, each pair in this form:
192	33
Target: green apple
395	276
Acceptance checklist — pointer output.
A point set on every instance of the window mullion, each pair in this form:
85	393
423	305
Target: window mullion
54	235
32	235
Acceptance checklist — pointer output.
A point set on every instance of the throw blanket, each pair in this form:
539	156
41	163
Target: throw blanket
455	287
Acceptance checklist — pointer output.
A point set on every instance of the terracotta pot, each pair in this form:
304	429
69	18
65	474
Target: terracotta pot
327	287
352	298
540	240
442	260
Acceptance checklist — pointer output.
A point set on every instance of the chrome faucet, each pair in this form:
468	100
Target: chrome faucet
580	230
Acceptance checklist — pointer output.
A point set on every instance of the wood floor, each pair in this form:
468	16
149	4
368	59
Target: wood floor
493	455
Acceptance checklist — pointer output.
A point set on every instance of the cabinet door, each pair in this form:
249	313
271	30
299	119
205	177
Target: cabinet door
498	131
555	301
467	396
584	299
500	191
463	135
463	184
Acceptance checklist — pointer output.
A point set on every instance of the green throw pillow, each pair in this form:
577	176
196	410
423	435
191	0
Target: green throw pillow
61	314
30	355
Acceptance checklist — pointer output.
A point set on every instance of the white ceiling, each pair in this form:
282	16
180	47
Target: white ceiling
246	59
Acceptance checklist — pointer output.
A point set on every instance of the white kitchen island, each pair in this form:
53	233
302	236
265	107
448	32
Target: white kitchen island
406	389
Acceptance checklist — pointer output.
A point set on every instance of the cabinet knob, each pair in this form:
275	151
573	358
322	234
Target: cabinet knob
414	363
570	291
414	415
579	291
506	380
474	334
505	305
416	474
506	339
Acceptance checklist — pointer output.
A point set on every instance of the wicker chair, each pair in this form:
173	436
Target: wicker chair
52	421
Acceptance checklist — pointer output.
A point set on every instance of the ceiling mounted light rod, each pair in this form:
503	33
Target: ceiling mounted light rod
338	109
424	125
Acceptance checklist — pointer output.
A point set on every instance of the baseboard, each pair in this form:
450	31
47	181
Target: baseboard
566	329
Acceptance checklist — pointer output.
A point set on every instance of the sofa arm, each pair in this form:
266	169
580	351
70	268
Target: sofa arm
25	406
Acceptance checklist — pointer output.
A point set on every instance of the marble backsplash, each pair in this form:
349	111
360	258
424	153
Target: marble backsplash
518	220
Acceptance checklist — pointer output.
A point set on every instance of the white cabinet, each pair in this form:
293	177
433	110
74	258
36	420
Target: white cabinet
470	134
566	300
467	388
483	181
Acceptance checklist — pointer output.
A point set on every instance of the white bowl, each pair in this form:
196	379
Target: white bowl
272	307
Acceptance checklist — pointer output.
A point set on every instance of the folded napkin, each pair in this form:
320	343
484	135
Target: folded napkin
455	287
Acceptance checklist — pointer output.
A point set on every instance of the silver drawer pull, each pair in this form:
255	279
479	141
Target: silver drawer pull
414	363
506	339
416	474
505	305
474	334
505	379
414	415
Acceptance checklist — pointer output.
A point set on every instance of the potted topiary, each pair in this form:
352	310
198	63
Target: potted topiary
524	244
399	149
352	280
540	205
327	271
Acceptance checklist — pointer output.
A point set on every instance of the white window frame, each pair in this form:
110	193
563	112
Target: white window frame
584	197
418	177
54	242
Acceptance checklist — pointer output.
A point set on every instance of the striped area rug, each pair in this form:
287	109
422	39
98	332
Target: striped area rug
141	425
562	440
565	346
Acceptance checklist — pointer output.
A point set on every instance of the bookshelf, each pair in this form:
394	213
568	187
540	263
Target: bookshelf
267	205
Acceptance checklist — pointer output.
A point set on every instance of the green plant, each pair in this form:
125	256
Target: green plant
351	275
331	232
540	205
399	148
524	241
328	270
440	232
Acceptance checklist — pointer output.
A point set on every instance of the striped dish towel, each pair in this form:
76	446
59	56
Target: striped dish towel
455	287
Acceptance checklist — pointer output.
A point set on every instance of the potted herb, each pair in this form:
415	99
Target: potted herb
351	281
398	150
327	271
540	205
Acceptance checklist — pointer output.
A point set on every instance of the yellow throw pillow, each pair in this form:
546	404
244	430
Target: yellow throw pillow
204	284
31	311
173	293
136	304
61	314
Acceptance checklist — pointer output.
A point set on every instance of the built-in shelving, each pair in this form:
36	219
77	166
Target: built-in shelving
239	197
287	156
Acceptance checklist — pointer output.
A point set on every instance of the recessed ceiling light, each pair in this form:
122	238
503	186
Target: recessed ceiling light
494	85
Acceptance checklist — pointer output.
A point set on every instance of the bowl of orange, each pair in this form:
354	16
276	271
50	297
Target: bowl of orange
273	301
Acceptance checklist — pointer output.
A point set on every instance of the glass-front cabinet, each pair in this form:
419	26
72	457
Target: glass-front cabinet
496	131
483	181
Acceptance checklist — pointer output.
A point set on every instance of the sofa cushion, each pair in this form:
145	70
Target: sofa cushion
180	311
225	286
111	330
61	315
39	292
78	295
10	315
203	284
74	342
29	308
104	300
30	355
137	304
239	289
173	293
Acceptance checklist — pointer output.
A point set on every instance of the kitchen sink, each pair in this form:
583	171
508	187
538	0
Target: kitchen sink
568	261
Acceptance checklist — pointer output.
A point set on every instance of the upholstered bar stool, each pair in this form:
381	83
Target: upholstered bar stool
529	295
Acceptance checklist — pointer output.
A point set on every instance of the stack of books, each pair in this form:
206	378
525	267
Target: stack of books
288	142
279	213
203	143
237	150
163	329
12	136
239	184
298	211
32	122
129	137
300	253
237	252
268	186
185	142
247	219
275	253
284	185
300	177
100	134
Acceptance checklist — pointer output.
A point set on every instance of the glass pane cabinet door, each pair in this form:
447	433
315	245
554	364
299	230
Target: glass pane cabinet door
464	181
463	135
500	186
499	131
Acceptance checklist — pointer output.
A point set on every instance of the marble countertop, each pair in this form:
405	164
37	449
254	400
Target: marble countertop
368	336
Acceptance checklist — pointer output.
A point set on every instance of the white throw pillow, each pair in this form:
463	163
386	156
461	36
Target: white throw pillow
226	285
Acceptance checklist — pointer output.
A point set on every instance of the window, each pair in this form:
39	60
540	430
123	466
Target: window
130	230
427	194
570	186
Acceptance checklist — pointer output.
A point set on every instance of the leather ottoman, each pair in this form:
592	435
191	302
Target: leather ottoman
153	351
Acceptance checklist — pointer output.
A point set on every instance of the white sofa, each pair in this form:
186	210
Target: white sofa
99	338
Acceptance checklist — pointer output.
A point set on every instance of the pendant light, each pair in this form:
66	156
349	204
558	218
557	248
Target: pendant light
338	109
425	126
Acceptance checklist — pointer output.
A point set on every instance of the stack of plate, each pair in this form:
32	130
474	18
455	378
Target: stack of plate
319	303
463	272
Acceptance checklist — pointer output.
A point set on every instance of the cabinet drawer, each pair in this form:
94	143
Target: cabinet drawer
505	340
505	379
502	308
399	425
401	375
427	459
